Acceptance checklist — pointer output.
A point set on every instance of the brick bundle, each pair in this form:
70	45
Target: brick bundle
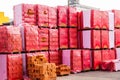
62	70
62	16
43	39
110	65
72	17
11	67
38	68
53	39
90	39
72	38
25	13
29	37
42	16
72	58
54	57
86	60
52	18
63	38
10	39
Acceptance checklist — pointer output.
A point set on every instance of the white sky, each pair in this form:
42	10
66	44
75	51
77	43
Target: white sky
7	5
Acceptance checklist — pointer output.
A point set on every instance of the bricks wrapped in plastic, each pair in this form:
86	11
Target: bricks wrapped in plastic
43	38
63	38
53	39
117	39
112	54
96	59
62	16
42	15
10	39
105	55
108	54
73	59
91	19
114	65
105	38
25	13
111	65
52	17
104	20
86	60
72	38
91	39
116	18
54	57
72	17
29	37
11	68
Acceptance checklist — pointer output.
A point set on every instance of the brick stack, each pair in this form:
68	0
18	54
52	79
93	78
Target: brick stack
42	15
72	24
62	70
73	59
53	37
107	31
29	37
54	57
52	17
10	39
86	60
11	68
111	65
43	24
62	24
25	13
38	68
10	63
89	37
43	38
96	32
63	38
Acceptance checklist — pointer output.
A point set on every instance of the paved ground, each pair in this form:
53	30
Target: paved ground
92	75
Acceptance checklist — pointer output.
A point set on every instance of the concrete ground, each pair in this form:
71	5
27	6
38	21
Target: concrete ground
92	75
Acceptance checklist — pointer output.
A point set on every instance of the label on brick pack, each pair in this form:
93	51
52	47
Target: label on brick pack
30	12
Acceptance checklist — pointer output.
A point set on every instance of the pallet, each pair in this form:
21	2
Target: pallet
75	72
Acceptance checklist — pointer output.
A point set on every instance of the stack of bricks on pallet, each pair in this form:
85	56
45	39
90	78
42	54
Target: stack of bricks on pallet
62	70
25	13
11	67
10	39
38	68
